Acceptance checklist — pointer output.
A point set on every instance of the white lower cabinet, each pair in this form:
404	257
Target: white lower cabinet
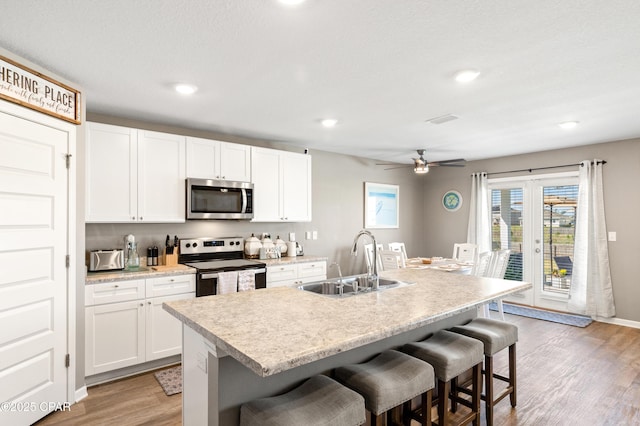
126	325
296	273
163	330
114	336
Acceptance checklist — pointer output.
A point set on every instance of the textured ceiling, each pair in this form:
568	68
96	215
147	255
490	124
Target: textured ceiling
381	67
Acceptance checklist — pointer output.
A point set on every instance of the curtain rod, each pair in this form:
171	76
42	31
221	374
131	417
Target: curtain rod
542	168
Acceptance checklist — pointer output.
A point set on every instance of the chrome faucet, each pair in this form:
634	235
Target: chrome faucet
340	282
372	276
337	265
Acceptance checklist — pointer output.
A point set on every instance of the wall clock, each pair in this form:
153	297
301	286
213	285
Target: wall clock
451	200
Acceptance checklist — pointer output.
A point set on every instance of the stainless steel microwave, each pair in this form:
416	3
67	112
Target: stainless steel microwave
219	199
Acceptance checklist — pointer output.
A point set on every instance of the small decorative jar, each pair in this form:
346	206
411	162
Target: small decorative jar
252	247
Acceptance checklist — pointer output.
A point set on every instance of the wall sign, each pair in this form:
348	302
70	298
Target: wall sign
451	200
31	89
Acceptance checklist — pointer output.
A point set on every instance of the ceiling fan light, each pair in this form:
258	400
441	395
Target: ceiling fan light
421	168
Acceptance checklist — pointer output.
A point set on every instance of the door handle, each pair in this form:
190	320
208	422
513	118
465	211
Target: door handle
537	250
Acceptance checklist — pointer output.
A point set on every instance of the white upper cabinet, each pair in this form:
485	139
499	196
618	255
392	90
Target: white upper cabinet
296	187
161	177
134	175
210	159
111	173
282	186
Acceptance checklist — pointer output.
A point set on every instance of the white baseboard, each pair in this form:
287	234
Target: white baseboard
81	394
619	321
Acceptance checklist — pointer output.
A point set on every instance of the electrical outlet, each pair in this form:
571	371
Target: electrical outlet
292	236
307	235
612	236
314	235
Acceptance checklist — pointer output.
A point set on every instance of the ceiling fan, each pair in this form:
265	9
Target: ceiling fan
420	164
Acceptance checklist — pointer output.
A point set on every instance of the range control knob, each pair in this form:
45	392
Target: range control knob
188	245
195	245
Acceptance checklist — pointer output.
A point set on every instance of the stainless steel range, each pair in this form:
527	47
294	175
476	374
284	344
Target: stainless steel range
213	255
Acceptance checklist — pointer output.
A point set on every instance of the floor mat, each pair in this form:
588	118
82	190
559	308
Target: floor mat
568	319
170	380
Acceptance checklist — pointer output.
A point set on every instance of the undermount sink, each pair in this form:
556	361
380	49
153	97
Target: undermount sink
331	287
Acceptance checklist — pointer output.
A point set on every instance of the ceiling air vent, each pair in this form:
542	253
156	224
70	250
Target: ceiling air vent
442	119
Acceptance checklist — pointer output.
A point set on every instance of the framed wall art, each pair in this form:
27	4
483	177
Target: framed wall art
452	200
381	205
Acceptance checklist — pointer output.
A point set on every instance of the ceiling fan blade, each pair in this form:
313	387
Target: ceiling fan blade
388	164
398	167
455	160
446	165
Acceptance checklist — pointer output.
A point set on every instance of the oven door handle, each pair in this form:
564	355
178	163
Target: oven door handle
215	274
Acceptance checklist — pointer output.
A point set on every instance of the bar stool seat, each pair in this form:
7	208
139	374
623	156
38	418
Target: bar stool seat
319	401
389	380
451	354
495	336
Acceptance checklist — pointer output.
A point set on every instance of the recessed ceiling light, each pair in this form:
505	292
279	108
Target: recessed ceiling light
329	122
291	2
466	76
185	89
567	125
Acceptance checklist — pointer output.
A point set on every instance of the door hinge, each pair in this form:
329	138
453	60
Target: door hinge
67	360
68	157
68	261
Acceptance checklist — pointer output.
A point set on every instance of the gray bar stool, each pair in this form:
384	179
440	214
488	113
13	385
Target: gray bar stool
389	380
319	401
495	336
452	354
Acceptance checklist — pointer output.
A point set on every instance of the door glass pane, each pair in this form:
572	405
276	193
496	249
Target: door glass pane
506	220
559	229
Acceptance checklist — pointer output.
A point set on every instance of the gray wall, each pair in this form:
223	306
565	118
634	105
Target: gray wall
621	177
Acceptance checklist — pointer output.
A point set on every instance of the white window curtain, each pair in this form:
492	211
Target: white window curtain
591	289
479	228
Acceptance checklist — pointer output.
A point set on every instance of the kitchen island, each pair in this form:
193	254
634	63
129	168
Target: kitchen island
247	345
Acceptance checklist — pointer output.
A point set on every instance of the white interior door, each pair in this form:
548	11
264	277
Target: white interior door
33	282
535	218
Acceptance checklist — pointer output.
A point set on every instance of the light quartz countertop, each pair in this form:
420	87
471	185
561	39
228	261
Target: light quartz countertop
293	259
141	273
274	330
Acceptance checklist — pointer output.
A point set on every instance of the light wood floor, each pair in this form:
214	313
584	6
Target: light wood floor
566	376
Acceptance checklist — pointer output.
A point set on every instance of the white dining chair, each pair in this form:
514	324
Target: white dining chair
465	252
482	266
399	247
368	251
499	262
391	259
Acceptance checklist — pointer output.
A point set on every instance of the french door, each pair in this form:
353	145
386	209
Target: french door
534	217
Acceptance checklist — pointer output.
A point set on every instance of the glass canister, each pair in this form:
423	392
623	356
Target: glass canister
133	260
